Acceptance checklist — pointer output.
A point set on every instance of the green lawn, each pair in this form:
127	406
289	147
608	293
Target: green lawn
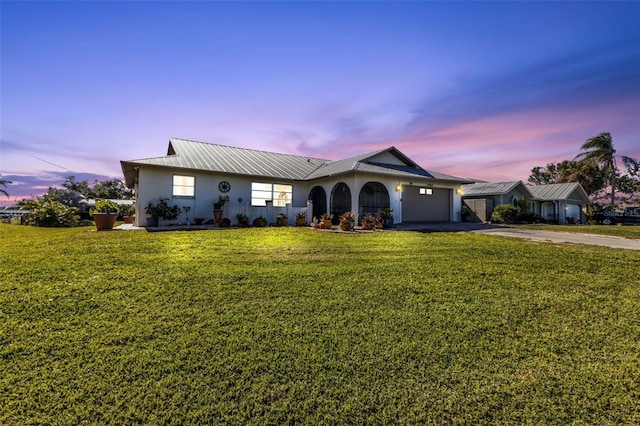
625	231
274	325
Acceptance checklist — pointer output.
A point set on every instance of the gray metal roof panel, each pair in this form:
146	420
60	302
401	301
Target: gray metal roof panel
490	188
227	159
557	191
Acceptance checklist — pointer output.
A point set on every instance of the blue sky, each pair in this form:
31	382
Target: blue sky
485	90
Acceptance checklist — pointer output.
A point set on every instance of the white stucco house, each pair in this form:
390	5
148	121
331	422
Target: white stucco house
195	174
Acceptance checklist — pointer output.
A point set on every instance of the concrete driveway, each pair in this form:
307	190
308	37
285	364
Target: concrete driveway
563	237
527	234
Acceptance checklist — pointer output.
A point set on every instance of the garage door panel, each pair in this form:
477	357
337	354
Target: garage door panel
418	207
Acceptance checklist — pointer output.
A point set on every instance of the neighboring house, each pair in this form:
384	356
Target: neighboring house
554	203
482	197
195	174
560	202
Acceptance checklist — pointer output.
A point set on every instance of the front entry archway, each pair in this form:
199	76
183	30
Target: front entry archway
340	201
318	198
373	198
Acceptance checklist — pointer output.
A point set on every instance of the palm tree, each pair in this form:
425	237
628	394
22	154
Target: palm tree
4	182
599	149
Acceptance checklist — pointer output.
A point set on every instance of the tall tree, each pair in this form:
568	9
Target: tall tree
587	173
599	149
4	182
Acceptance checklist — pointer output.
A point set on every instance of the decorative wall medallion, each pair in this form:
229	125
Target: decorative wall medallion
224	186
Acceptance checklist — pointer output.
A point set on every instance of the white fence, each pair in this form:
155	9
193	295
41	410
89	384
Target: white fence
269	212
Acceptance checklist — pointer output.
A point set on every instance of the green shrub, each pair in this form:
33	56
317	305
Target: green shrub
50	213
504	213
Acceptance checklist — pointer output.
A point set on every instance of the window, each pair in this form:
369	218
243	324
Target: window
281	195
426	191
184	186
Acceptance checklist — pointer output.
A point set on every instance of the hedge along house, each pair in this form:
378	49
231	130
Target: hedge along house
560	202
195	174
482	197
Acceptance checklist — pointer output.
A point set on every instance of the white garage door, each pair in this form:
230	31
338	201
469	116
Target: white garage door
420	204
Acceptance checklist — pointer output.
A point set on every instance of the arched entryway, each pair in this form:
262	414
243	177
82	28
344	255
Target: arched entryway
318	197
340	201
373	198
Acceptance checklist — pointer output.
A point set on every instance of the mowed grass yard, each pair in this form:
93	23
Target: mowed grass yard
284	326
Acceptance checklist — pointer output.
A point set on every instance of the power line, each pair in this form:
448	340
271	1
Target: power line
49	162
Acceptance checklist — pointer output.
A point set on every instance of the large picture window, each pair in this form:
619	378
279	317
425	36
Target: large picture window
184	186
281	195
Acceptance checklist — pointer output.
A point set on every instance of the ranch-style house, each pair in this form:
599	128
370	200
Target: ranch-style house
195	175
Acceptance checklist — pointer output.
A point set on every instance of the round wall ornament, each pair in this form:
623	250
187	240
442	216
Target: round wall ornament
224	186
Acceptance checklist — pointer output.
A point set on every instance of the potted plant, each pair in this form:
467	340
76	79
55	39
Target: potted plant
243	220
281	220
301	218
368	222
260	222
325	220
198	220
162	210
222	199
128	212
387	217
217	207
347	220
224	223
105	213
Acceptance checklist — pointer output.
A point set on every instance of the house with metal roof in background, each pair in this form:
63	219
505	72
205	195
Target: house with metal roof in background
560	202
481	197
553	203
194	175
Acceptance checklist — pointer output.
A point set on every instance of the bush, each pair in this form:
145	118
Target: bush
51	214
504	213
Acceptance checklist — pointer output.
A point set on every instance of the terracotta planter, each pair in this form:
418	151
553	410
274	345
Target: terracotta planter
301	222
105	221
346	225
326	224
128	219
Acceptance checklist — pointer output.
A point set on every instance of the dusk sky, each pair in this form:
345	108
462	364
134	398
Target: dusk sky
481	90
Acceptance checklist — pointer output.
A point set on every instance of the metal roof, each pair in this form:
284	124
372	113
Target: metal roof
491	188
558	191
228	159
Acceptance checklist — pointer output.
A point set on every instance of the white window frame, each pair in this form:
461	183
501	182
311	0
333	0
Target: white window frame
183	186
279	193
426	191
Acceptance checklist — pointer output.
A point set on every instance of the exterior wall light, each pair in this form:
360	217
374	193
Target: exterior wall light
399	187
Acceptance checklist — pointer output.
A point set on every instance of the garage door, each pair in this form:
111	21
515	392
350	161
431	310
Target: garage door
420	204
